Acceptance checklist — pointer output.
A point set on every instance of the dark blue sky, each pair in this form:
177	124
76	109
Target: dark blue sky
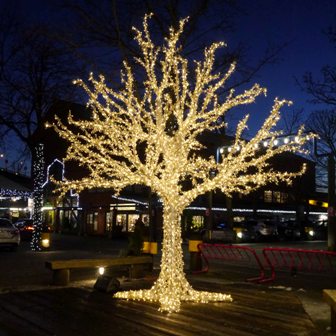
266	23
300	23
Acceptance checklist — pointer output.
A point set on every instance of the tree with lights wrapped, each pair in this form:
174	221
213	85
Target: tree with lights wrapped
38	173
150	136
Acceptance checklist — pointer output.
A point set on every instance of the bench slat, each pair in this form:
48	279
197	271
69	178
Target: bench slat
104	262
329	296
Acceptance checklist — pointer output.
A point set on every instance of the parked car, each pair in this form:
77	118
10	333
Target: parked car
244	233
264	229
289	230
25	225
321	230
9	234
305	230
314	230
222	233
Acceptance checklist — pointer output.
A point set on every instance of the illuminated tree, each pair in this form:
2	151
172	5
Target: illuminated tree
152	139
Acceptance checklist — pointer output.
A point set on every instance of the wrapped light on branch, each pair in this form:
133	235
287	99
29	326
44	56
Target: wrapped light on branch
150	137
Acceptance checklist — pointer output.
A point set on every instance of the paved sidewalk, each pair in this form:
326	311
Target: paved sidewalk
79	310
23	274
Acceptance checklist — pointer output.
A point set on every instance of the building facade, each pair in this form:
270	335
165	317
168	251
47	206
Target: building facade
101	212
15	195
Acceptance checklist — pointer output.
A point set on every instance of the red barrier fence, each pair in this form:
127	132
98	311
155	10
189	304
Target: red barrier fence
299	260
271	259
231	253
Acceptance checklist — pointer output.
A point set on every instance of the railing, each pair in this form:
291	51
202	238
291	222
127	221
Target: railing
231	253
270	260
299	260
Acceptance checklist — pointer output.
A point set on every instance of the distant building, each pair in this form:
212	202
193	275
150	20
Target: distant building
15	195
100	212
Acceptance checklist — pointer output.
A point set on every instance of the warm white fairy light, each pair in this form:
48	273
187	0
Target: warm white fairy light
150	137
38	172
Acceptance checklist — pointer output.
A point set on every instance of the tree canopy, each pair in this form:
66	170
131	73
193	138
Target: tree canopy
150	137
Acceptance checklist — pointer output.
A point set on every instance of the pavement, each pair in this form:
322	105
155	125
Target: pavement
21	271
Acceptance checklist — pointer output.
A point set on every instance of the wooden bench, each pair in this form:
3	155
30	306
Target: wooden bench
61	268
329	296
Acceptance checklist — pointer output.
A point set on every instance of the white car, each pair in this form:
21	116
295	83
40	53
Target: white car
9	234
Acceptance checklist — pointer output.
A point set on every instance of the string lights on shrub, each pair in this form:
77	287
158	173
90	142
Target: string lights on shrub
150	137
38	173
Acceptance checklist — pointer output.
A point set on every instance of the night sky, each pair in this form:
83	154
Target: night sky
299	23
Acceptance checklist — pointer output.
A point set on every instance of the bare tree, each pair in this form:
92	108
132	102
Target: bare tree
105	28
322	120
34	72
293	120
323	123
130	140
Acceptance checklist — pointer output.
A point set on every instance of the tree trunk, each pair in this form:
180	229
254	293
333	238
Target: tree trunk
172	281
172	287
38	179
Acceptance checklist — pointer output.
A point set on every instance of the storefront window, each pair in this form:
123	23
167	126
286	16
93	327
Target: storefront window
108	221
122	221
197	223
92	220
131	222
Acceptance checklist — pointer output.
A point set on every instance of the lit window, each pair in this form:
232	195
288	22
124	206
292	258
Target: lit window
92	220
275	196
268	196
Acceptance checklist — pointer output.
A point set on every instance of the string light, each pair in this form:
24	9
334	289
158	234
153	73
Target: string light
151	138
9	193
38	173
51	179
132	200
56	161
